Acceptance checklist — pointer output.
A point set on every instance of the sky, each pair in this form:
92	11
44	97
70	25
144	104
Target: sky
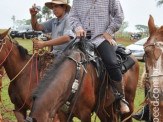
135	11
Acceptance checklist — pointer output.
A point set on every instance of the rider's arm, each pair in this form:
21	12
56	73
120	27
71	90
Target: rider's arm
57	41
74	17
66	37
117	15
35	24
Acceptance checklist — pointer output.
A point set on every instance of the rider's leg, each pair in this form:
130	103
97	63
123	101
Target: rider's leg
144	114
108	55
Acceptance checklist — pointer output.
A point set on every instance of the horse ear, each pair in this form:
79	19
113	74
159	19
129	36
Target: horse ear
151	25
157	53
4	33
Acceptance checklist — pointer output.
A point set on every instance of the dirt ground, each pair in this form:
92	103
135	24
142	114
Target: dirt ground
126	40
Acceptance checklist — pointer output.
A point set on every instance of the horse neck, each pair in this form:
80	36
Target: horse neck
58	92
14	63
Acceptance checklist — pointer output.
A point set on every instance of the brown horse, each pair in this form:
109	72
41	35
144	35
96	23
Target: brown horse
154	70
14	57
18	89
55	88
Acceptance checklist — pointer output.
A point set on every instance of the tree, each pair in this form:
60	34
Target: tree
142	28
159	2
46	12
28	21
123	27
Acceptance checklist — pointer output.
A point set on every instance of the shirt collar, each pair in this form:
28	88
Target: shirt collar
59	21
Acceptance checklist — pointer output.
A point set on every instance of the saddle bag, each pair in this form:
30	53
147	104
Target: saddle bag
124	59
127	64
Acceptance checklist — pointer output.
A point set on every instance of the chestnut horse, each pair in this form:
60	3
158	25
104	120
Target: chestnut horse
55	88
15	57
154	70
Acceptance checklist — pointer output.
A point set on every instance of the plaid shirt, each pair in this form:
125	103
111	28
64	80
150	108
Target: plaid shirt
99	16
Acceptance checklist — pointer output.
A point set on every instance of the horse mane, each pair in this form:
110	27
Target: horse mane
51	73
23	51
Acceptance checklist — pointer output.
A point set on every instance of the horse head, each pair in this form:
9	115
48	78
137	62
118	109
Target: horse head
154	68
3	53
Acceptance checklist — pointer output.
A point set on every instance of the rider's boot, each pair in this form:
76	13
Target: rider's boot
143	115
123	103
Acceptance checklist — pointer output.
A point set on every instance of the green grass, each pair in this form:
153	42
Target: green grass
28	44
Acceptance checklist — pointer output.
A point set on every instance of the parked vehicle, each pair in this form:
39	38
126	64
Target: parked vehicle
135	36
24	31
42	37
137	49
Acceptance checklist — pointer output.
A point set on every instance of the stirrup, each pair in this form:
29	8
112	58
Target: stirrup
137	114
124	100
142	114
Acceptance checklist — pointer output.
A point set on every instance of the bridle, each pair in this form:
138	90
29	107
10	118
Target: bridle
2	41
156	45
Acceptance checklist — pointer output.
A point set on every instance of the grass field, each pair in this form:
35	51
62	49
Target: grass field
28	44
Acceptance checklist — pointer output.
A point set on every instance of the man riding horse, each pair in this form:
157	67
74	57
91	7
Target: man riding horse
95	18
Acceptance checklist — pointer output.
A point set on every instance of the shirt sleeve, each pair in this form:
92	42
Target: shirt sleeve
74	18
47	26
117	16
67	29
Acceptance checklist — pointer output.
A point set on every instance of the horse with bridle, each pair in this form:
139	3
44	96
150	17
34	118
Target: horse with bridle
73	74
14	57
154	70
21	69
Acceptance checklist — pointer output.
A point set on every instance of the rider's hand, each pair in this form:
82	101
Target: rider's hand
108	38
32	10
80	33
38	44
